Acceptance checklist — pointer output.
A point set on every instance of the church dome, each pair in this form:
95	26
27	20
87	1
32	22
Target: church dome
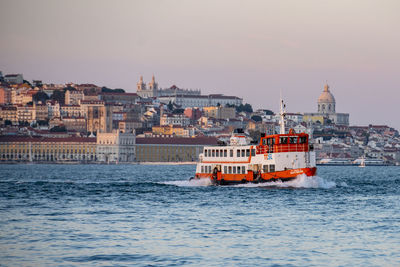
326	96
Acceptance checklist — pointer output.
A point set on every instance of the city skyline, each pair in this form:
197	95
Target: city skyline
252	51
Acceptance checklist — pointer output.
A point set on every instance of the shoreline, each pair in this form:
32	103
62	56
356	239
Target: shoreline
101	163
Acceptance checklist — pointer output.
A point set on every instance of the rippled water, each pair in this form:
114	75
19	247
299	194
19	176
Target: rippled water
99	215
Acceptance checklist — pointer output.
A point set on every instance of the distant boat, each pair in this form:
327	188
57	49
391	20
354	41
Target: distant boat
362	163
335	162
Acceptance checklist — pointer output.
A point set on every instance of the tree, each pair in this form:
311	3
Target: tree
59	96
246	108
268	112
170	106
40	96
256	118
109	90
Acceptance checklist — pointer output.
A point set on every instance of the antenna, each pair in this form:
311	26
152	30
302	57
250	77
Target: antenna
282	115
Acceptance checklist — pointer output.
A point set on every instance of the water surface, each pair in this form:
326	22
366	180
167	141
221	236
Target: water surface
106	215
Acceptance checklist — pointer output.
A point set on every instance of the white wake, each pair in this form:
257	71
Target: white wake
301	181
193	182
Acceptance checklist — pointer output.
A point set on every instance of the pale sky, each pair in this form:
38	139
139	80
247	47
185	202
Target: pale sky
252	49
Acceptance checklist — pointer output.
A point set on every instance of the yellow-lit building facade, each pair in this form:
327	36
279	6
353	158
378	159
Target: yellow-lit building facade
46	149
171	149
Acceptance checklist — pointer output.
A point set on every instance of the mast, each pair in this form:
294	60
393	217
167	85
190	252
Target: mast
282	114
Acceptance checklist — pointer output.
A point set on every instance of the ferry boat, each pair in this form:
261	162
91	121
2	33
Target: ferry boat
275	157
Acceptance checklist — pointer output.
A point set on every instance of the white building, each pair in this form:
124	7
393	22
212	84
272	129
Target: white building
14	78
116	147
174	119
200	101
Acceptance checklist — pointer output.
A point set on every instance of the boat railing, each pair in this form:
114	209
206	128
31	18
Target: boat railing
282	148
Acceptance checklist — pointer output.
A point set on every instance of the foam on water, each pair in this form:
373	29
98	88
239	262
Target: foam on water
301	181
193	182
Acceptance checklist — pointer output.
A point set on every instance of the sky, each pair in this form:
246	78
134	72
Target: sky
251	49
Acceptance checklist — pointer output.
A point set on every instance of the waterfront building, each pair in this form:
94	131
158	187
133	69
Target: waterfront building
173	130
47	149
116	147
171	149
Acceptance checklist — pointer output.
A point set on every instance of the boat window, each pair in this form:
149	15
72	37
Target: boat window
225	153
217	153
272	168
225	169
265	168
270	141
283	140
247	152
205	152
253	152
209	169
231	153
302	140
264	141
238	169
243	151
234	169
238	153
293	140
243	169
229	169
202	169
213	153
209	153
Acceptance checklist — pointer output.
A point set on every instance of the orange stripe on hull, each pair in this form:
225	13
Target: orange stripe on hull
249	177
